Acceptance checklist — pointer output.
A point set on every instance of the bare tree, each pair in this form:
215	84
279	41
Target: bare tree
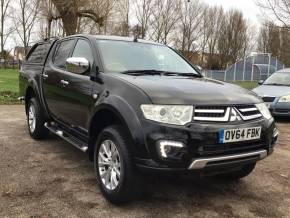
123	28
165	17
191	14
285	45
49	13
71	10
105	9
214	18
25	19
143	13
4	33
269	39
280	10
233	37
275	40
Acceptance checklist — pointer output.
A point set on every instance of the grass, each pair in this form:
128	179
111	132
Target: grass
9	86
247	84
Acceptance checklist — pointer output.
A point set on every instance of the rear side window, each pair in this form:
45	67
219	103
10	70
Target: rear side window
38	54
62	53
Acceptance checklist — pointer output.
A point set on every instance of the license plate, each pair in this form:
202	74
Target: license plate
238	135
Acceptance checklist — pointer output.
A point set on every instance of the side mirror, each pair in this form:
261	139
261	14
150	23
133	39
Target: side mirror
77	65
261	82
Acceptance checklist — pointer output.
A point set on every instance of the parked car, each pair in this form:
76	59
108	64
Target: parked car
275	92
138	107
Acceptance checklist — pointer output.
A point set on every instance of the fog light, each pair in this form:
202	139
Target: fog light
275	137
275	133
167	146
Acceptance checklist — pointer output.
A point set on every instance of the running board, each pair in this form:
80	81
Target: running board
52	127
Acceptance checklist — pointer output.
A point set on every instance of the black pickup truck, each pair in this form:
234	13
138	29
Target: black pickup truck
138	107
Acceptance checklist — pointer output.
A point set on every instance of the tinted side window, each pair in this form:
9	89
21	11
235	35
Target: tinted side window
62	52
83	49
39	53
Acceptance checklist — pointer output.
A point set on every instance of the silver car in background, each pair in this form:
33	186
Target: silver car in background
275	91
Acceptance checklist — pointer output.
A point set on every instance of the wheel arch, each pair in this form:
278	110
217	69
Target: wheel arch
30	93
107	115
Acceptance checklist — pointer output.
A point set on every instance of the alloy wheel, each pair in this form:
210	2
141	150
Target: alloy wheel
31	118
109	164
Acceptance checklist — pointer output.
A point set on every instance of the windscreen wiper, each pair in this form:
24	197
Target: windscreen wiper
143	72
159	72
275	84
182	74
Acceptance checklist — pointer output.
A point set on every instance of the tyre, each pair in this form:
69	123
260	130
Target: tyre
117	177
35	120
238	174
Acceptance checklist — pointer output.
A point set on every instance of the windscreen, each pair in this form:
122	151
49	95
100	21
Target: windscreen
278	79
121	56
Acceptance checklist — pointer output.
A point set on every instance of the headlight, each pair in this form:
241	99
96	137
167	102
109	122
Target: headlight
285	99
171	114
264	110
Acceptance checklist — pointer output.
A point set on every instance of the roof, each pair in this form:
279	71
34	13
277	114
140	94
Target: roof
285	70
117	38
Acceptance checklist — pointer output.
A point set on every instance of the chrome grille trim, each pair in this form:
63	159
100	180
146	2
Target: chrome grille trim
226	114
225	118
252	117
215	111
248	109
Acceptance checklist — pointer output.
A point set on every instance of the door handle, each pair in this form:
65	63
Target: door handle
45	76
64	83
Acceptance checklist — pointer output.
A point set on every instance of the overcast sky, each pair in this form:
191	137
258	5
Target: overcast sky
248	7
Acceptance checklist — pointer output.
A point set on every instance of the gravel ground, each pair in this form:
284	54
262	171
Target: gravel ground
53	179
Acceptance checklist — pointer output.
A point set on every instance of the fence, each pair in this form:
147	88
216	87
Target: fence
252	68
10	64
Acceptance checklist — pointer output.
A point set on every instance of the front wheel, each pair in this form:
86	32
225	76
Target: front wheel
114	168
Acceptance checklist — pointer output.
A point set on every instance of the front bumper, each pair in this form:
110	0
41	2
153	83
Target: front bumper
202	149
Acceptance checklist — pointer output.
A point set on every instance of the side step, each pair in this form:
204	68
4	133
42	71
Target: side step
66	136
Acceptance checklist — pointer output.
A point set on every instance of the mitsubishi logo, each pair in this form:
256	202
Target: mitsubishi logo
234	115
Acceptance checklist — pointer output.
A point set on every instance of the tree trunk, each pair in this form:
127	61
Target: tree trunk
70	22
2	28
68	11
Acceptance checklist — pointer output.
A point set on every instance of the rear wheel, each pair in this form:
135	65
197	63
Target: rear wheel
238	174
117	177
35	120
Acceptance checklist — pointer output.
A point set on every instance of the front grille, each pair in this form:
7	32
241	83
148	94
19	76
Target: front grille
226	114
210	111
249	112
268	98
231	148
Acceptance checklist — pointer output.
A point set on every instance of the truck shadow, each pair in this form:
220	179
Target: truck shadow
158	188
282	119
162	194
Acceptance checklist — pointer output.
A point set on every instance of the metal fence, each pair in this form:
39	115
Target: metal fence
10	64
252	68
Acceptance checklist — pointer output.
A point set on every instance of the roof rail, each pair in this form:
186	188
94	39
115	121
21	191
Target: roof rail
50	38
